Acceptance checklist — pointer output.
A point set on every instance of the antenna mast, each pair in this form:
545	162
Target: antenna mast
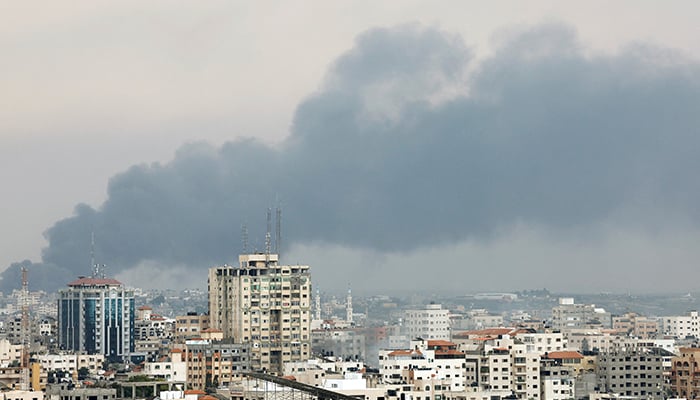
93	264
244	236
278	231
268	239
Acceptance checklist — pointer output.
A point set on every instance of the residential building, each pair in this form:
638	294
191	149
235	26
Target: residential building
557	381
573	361
215	363
569	315
541	342
328	364
172	368
591	339
682	326
430	323
343	343
497	361
71	363
426	364
266	304
16	377
190	326
9	353
154	327
636	325
685	374
637	373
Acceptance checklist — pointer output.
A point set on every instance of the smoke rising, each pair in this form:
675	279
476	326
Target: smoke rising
411	143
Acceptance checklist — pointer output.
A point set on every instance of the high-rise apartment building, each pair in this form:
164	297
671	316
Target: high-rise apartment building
96	315
265	304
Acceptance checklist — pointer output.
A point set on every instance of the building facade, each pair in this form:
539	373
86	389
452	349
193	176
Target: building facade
570	315
265	304
425	365
215	363
682	326
71	363
685	374
431	323
96	316
190	326
637	373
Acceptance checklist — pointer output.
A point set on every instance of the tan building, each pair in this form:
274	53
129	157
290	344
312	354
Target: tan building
265	304
633	324
13	377
685	374
212	364
190	326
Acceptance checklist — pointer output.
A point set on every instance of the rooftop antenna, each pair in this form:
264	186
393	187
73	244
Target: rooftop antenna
268	243
244	235
278	231
93	264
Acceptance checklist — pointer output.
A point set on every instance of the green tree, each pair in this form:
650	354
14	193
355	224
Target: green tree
83	373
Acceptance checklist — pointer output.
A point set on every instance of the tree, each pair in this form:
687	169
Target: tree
83	373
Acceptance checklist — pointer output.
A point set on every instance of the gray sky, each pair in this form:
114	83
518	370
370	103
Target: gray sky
90	89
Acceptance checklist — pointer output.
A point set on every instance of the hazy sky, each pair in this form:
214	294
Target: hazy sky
522	137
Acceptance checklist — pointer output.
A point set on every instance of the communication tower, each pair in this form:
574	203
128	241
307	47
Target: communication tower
25	332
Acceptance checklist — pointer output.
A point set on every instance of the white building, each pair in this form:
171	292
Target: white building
71	362
557	382
502	363
172	369
9	353
428	363
542	342
430	323
682	326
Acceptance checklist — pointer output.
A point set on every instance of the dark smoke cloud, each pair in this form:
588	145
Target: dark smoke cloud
409	143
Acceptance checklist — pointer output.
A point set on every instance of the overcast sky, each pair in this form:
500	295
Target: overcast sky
357	105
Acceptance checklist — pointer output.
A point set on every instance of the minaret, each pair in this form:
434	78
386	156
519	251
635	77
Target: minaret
318	304
348	307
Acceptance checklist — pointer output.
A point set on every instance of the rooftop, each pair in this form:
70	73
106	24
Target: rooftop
559	355
85	281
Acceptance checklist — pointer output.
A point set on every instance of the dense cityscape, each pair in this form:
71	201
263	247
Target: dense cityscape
483	200
260	330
